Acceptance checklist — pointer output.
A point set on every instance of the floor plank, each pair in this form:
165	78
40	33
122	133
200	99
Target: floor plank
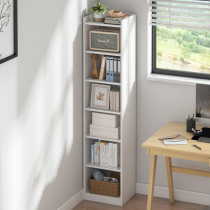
139	202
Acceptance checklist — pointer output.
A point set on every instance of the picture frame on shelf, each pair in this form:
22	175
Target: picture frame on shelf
100	96
8	30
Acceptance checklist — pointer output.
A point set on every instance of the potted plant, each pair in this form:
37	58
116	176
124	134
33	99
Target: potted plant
98	11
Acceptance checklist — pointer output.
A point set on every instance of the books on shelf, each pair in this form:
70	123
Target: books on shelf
105	154
115	20
102	74
114	100
112	69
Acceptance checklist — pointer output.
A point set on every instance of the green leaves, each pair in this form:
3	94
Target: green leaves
98	8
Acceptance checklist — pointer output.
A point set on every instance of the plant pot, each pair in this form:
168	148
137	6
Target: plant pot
98	17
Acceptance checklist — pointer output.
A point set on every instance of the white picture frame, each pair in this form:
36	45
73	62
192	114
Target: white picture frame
100	96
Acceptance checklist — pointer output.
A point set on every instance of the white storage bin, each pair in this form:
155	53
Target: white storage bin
106	120
106	132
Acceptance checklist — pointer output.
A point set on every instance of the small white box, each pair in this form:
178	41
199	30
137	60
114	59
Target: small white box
106	120
106	132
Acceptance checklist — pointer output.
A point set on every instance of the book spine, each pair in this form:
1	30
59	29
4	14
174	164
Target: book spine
102	163
119	70
96	153
117	101
118	155
112	22
107	157
115	69
115	154
102	70
100	154
110	154
111	69
114	101
111	101
92	154
107	69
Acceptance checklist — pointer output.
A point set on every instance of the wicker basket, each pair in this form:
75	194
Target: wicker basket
105	188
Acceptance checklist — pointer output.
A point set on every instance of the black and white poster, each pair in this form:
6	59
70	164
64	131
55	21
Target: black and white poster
8	30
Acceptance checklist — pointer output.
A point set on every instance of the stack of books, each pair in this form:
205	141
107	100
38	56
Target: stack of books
114	100
115	20
105	154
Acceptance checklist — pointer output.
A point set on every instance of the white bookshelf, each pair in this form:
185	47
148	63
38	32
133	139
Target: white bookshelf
127	112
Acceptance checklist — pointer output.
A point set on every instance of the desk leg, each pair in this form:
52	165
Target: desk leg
170	179
151	181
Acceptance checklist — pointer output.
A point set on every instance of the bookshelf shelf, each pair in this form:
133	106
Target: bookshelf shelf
90	165
103	199
102	24
102	111
102	82
102	53
103	139
127	115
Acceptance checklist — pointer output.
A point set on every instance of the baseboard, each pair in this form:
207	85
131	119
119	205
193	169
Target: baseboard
73	202
181	195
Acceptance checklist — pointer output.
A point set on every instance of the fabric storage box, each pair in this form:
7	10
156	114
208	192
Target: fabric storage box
105	188
105	40
106	120
106	132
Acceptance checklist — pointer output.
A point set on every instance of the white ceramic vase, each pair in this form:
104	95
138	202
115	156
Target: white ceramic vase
99	15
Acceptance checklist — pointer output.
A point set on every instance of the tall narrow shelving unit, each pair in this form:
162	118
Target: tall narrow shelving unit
127	86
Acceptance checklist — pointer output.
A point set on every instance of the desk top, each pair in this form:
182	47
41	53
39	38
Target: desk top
171	128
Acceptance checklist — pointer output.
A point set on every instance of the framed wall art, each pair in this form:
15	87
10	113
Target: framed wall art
8	30
100	96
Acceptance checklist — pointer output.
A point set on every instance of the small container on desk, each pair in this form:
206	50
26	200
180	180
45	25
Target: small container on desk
190	123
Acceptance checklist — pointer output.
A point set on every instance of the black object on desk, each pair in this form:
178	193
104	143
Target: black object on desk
190	123
204	137
197	146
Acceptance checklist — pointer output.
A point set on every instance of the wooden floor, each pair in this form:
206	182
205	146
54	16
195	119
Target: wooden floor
139	202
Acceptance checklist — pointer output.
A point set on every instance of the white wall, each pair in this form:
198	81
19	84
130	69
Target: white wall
158	103
41	103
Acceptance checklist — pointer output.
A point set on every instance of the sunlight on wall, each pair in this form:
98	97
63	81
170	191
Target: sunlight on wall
42	134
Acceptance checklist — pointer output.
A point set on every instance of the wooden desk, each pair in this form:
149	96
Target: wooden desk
156	147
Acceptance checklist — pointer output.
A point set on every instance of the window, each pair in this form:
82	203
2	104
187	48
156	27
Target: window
181	37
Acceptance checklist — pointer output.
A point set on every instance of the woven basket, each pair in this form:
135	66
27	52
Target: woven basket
105	188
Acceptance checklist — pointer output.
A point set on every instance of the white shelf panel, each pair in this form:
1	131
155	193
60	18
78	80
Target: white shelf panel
90	165
103	199
102	24
102	81
102	52
102	111
103	139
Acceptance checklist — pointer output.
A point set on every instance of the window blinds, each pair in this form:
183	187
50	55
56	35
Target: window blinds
193	14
